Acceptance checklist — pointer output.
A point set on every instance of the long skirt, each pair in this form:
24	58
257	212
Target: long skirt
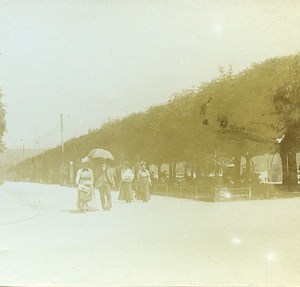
83	198
144	189
126	191
137	190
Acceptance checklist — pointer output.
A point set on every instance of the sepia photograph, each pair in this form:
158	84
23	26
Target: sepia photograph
149	143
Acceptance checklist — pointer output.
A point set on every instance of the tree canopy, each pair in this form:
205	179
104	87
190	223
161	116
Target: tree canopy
2	121
243	113
246	106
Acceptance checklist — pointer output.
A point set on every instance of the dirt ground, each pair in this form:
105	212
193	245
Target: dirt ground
167	241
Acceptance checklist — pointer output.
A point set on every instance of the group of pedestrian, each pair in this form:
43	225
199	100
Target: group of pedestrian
103	179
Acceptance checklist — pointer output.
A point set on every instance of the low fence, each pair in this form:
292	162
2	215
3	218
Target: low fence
213	193
223	193
184	191
282	191
203	193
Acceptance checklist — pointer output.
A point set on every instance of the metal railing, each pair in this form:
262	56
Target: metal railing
201	192
214	193
223	193
205	193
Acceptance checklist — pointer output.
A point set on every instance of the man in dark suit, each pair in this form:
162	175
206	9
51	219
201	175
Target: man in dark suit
105	182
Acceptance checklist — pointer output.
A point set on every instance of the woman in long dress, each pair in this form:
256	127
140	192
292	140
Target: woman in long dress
127	177
84	181
144	182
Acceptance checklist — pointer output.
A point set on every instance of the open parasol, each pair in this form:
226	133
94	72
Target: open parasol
100	153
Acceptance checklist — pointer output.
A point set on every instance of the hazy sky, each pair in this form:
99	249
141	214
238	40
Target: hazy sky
93	60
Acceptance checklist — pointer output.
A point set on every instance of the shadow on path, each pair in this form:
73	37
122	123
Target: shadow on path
80	211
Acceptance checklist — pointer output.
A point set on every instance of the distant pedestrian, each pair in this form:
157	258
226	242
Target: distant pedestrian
144	182
127	177
105	182
164	177
71	173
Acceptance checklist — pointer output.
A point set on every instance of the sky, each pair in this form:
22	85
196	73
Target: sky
97	60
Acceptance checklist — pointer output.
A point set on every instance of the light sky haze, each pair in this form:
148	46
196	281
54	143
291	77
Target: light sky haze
94	60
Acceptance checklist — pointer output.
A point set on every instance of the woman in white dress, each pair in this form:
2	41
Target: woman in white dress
127	177
84	181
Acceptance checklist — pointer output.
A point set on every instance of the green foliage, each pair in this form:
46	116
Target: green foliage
2	121
247	109
233	114
287	103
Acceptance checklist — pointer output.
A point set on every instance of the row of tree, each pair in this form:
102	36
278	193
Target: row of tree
235	114
2	121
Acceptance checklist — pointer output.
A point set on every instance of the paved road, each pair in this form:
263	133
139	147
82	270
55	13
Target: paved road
168	241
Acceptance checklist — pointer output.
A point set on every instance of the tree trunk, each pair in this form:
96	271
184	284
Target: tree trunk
170	169
292	168
159	164
237	169
194	170
173	172
247	171
284	164
197	171
289	168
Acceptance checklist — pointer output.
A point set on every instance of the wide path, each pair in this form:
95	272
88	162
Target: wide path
168	241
